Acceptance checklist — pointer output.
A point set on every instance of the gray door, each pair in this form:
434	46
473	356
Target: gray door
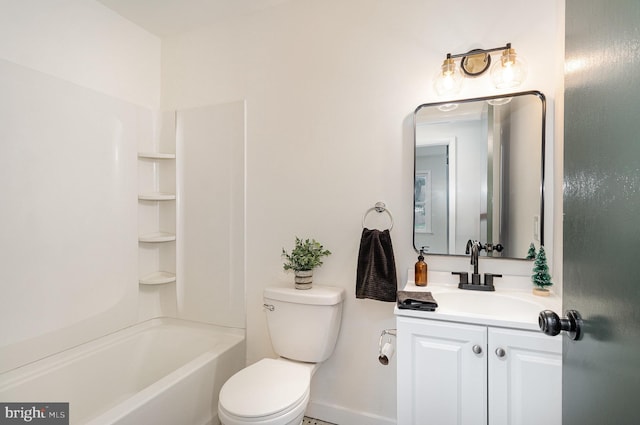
601	372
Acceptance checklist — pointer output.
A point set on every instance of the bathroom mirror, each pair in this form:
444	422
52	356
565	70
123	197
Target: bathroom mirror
479	174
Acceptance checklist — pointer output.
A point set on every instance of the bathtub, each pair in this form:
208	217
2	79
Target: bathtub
163	371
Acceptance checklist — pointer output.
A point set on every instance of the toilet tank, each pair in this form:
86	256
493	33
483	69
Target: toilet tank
304	324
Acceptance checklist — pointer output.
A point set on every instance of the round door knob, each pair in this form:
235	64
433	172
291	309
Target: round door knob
477	349
500	352
551	324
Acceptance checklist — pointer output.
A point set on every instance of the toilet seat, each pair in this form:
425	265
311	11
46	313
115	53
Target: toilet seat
270	392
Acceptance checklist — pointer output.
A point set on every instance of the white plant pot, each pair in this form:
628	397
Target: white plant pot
303	279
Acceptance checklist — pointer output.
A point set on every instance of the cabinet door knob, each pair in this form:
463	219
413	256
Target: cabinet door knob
500	352
477	349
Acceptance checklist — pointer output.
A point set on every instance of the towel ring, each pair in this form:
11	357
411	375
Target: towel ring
380	207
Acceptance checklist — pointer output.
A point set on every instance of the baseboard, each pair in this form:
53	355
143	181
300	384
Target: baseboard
213	421
340	415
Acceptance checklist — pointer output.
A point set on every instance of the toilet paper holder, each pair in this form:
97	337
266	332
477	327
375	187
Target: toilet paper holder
386	350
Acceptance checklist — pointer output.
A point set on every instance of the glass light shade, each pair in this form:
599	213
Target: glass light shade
449	79
448	107
510	71
499	101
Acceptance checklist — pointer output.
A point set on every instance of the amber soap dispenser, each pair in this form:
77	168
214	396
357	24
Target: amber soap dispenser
421	269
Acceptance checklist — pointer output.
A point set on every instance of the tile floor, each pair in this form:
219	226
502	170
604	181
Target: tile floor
311	421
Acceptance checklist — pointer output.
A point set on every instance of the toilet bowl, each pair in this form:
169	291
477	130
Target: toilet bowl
269	392
303	326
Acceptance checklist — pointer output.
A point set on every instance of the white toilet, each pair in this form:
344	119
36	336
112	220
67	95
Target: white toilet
304	326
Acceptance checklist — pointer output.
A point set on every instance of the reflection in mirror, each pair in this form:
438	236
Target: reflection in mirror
479	174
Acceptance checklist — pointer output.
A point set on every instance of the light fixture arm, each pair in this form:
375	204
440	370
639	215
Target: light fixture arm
478	52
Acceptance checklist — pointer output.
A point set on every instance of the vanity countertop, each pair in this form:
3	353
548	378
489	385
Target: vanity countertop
509	308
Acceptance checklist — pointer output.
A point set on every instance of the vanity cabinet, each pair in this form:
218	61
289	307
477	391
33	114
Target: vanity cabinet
439	373
468	374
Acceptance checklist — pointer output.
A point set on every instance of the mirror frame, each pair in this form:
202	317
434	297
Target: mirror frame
543	102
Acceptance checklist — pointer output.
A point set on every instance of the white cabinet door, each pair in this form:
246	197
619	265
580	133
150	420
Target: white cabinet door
441	379
525	378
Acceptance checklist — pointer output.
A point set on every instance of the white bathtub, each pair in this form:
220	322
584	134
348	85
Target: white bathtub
163	371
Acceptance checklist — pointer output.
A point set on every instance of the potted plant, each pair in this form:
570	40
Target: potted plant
305	256
531	254
541	278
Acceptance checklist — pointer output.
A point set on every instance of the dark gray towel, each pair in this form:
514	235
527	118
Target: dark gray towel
376	278
416	300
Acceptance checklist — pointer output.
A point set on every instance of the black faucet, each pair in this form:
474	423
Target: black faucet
473	249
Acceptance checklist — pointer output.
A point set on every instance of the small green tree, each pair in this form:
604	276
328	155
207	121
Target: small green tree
541	277
531	254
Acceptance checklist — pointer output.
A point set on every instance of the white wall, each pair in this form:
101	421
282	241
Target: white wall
330	88
73	77
210	155
83	42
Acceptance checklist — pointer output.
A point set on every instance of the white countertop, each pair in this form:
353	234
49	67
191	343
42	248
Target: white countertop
509	308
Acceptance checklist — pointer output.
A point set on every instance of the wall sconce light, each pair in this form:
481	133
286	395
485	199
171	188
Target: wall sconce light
508	72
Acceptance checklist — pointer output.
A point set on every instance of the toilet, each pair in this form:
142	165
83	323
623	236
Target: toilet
304	327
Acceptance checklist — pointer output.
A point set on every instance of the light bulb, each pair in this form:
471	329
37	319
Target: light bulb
449	79
510	71
499	101
448	107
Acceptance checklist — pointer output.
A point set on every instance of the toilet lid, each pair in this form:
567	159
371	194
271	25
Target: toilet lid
265	388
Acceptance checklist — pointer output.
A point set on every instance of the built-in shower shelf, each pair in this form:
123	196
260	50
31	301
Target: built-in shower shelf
156	155
157	196
157	207
157	237
158	278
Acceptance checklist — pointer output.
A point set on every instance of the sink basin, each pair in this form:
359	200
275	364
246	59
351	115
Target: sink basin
516	308
511	305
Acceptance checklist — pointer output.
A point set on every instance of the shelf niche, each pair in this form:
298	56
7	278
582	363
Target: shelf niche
156	203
